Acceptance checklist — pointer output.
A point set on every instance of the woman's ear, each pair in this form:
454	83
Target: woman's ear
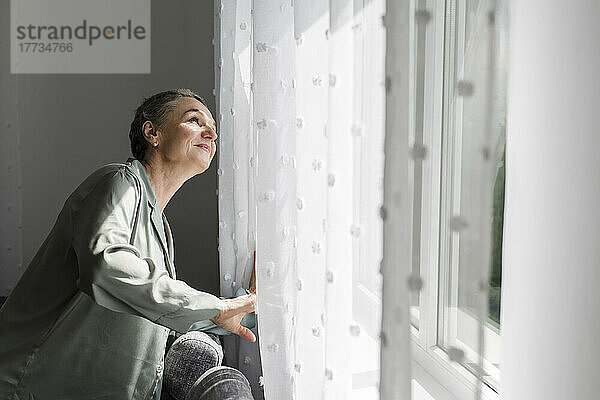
149	131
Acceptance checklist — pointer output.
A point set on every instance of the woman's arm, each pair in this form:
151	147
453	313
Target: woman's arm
113	272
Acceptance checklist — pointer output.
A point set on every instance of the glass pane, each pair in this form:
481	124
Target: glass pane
497	230
473	185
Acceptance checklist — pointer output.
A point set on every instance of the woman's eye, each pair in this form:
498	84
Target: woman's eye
195	119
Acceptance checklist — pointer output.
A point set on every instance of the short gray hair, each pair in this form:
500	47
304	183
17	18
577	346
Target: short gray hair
155	109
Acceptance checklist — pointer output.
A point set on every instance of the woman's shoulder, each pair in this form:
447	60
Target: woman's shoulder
109	178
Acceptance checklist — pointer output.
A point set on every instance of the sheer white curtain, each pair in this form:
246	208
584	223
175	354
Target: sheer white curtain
396	210
300	103
304	115
237	159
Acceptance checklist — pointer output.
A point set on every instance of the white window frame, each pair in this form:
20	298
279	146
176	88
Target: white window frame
432	368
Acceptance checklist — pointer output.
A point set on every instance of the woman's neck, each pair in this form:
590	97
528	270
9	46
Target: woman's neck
163	179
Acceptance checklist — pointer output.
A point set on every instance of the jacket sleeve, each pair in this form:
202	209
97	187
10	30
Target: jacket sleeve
113	272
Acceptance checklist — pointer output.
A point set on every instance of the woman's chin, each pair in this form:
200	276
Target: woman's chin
202	166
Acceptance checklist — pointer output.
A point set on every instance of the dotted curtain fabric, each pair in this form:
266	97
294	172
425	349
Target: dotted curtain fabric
237	160
273	124
295	125
472	148
310	93
396	210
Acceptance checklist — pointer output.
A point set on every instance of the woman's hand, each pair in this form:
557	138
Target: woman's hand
232	313
234	310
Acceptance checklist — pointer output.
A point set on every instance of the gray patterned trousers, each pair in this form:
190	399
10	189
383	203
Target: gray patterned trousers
193	371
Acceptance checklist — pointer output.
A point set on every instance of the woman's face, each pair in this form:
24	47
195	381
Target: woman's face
187	141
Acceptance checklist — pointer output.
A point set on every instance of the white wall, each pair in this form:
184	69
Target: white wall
551	273
70	125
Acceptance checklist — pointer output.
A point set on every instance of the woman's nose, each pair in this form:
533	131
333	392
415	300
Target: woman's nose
210	133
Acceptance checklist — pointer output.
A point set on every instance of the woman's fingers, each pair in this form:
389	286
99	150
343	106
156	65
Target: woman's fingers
233	312
250	303
246	334
242	304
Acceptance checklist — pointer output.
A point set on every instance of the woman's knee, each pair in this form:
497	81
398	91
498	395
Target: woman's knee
220	383
190	356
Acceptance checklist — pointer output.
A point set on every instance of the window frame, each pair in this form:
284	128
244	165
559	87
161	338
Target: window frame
432	368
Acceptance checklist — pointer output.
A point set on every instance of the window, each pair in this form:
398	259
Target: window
459	92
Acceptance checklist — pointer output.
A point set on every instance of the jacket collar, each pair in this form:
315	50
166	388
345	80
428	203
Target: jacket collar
156	216
141	172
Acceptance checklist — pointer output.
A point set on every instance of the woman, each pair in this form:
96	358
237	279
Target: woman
90	316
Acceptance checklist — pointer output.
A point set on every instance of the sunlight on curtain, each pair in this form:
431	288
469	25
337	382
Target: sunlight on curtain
309	92
304	148
237	201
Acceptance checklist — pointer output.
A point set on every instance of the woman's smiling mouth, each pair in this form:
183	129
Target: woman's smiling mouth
203	146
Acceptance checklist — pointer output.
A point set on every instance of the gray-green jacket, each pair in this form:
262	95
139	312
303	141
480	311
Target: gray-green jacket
90	316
